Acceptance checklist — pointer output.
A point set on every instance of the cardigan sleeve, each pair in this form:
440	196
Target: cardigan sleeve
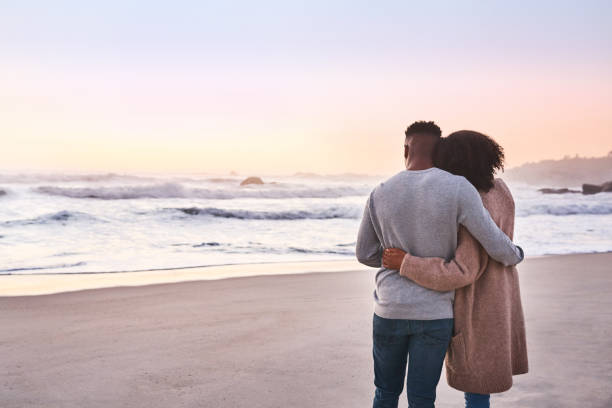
469	263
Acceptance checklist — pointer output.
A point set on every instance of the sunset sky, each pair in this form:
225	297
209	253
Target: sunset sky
286	86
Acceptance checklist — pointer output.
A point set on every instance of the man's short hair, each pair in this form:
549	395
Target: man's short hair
424	128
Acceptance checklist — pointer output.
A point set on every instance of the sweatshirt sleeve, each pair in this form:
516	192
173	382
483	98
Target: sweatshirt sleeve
368	249
472	214
437	274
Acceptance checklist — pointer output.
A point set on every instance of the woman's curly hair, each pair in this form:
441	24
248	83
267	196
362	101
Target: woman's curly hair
472	155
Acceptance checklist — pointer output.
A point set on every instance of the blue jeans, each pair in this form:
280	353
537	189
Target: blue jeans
423	343
476	400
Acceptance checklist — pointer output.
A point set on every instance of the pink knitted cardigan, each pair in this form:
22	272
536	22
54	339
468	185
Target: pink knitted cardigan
488	345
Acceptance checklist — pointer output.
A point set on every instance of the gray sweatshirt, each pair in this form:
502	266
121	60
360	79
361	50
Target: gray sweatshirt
419	211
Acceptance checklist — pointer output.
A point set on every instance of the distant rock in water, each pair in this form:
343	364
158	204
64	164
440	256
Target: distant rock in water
251	180
557	191
594	188
2	192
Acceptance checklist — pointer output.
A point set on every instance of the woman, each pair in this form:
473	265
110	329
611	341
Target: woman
488	345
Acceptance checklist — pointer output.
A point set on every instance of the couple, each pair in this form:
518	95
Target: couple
446	284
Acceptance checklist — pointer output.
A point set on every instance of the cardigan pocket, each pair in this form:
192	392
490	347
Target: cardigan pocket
456	358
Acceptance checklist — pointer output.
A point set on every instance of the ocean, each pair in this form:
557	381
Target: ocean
86	223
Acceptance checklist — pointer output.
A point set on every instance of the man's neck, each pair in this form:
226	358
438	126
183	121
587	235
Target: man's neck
419	165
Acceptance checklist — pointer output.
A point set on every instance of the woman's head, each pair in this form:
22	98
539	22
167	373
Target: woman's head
472	155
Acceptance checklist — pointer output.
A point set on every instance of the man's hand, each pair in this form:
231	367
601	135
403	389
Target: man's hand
392	258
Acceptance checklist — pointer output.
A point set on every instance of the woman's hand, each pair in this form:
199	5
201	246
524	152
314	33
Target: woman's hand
392	258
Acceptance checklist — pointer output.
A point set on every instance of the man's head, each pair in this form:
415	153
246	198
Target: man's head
420	142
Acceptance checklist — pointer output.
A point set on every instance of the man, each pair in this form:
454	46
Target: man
418	210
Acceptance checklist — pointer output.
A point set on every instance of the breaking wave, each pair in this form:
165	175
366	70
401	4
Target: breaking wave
176	190
566	209
342	251
254	247
56	217
328	213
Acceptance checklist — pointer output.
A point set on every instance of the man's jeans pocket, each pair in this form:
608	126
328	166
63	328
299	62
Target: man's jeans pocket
383	331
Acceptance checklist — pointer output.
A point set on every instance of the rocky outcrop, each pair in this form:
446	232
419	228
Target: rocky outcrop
2	192
251	180
570	171
587	189
594	188
591	189
558	191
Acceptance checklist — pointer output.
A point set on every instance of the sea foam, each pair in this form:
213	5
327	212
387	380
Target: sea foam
177	190
328	213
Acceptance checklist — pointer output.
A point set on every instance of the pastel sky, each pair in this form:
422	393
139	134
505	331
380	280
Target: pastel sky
285	86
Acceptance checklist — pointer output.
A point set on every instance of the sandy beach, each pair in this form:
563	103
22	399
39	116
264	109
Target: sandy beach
292	340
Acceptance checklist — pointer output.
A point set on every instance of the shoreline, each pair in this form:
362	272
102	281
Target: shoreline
36	284
47	284
177	268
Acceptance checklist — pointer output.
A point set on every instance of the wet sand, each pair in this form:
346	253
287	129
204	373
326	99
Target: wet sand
295	340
